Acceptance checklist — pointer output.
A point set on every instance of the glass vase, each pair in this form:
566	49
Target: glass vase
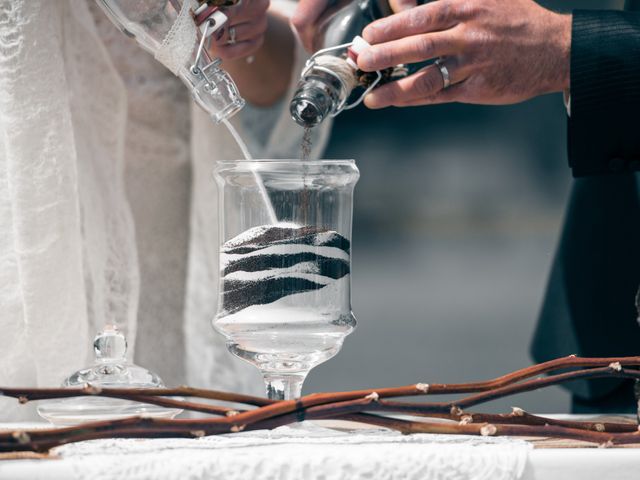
285	265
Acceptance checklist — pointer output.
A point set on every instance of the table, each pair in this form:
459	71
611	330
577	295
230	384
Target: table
317	452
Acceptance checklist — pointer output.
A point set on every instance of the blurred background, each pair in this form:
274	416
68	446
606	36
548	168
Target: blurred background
457	216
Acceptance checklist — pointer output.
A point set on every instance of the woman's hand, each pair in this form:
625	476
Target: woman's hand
308	12
304	20
261	60
244	33
495	51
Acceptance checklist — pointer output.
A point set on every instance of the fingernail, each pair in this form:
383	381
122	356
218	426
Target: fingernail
367	33
365	60
297	20
372	101
406	5
373	30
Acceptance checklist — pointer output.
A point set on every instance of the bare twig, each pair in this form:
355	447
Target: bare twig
29	394
367	406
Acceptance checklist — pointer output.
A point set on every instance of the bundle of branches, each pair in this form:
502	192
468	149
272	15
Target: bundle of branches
372	406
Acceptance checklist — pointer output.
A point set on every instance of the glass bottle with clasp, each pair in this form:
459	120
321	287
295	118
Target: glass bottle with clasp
166	29
331	81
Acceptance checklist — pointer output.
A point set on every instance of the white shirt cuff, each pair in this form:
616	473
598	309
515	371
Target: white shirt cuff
566	96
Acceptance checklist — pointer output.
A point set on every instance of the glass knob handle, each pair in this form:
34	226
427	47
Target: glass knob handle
110	345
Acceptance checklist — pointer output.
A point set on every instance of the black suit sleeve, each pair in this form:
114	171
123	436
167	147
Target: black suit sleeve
604	127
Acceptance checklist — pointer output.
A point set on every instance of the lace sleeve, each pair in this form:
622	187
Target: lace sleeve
66	235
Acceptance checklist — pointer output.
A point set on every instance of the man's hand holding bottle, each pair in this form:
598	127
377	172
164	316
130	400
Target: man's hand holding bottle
490	51
493	51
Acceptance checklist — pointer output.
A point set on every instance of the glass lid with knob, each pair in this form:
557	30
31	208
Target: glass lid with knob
110	370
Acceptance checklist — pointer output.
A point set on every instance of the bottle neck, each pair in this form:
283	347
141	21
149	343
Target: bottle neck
323	90
325	87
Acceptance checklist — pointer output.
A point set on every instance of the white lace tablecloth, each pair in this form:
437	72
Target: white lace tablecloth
316	452
312	452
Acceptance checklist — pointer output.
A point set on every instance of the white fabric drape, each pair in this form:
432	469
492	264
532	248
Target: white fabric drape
102	161
67	254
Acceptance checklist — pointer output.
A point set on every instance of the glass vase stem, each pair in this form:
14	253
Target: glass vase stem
284	387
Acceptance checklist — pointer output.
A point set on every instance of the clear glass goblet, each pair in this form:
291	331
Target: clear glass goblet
285	265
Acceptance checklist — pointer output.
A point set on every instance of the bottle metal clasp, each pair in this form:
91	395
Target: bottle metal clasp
210	26
311	64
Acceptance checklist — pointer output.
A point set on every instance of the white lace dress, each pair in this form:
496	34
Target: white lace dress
108	209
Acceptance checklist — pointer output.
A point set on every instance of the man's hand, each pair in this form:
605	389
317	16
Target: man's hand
496	52
308	12
248	22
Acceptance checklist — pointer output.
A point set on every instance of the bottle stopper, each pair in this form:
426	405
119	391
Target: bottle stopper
358	45
212	14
